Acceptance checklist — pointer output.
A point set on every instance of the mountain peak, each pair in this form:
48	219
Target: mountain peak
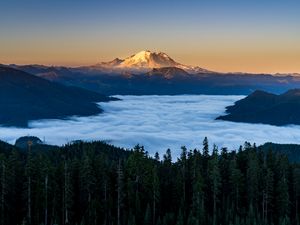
145	61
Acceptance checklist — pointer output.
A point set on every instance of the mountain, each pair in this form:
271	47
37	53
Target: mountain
144	61
169	73
165	80
25	97
51	73
157	73
267	108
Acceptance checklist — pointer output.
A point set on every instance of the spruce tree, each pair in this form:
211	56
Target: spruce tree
215	182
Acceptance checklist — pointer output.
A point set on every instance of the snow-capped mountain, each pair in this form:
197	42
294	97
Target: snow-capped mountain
145	61
169	73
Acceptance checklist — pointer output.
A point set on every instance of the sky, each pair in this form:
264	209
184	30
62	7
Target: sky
246	36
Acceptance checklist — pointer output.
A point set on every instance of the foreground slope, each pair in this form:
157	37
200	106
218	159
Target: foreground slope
263	107
25	97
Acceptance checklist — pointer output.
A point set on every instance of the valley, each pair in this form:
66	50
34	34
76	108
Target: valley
158	123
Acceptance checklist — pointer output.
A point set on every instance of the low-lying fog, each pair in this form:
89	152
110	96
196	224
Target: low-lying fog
158	123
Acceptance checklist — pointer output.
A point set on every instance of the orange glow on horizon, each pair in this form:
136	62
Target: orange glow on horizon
253	56
251	63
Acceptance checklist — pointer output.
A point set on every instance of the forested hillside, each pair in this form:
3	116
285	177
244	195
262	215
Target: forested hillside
290	150
96	183
266	108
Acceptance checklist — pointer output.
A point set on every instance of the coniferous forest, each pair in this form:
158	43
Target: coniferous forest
96	183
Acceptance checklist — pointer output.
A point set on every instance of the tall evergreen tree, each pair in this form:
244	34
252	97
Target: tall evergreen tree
120	192
296	191
156	192
282	191
235	181
215	179
29	170
3	183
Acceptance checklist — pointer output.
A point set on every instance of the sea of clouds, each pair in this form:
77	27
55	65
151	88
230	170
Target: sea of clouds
158	123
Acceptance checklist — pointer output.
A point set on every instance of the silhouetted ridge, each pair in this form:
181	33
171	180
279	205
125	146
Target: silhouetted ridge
263	107
25	97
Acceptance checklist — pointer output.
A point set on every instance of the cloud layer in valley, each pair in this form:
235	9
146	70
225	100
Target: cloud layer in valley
158	123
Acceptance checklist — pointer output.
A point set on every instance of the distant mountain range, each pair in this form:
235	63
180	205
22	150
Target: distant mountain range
25	97
58	92
267	108
157	73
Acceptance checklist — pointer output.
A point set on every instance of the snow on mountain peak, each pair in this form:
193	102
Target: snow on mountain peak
146	60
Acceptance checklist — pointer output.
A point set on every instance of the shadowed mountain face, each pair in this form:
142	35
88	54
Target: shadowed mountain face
25	97
263	107
169	73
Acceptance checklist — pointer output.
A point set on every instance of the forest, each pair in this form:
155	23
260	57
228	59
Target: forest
90	183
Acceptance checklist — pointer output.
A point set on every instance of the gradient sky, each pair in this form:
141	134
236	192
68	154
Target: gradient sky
244	35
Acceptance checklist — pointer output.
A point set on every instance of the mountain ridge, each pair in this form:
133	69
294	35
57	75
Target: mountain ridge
135	75
25	97
266	108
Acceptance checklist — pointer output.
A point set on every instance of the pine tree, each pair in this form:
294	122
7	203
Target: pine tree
192	220
296	189
3	182
168	157
158	221
120	193
148	217
268	184
156	193
282	192
67	193
180	218
252	178
156	156
235	181
205	148
198	198
29	183
16	193
214	177
183	162
45	174
88	181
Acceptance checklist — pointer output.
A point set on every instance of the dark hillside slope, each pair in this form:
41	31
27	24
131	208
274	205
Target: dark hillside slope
292	151
263	107
25	97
